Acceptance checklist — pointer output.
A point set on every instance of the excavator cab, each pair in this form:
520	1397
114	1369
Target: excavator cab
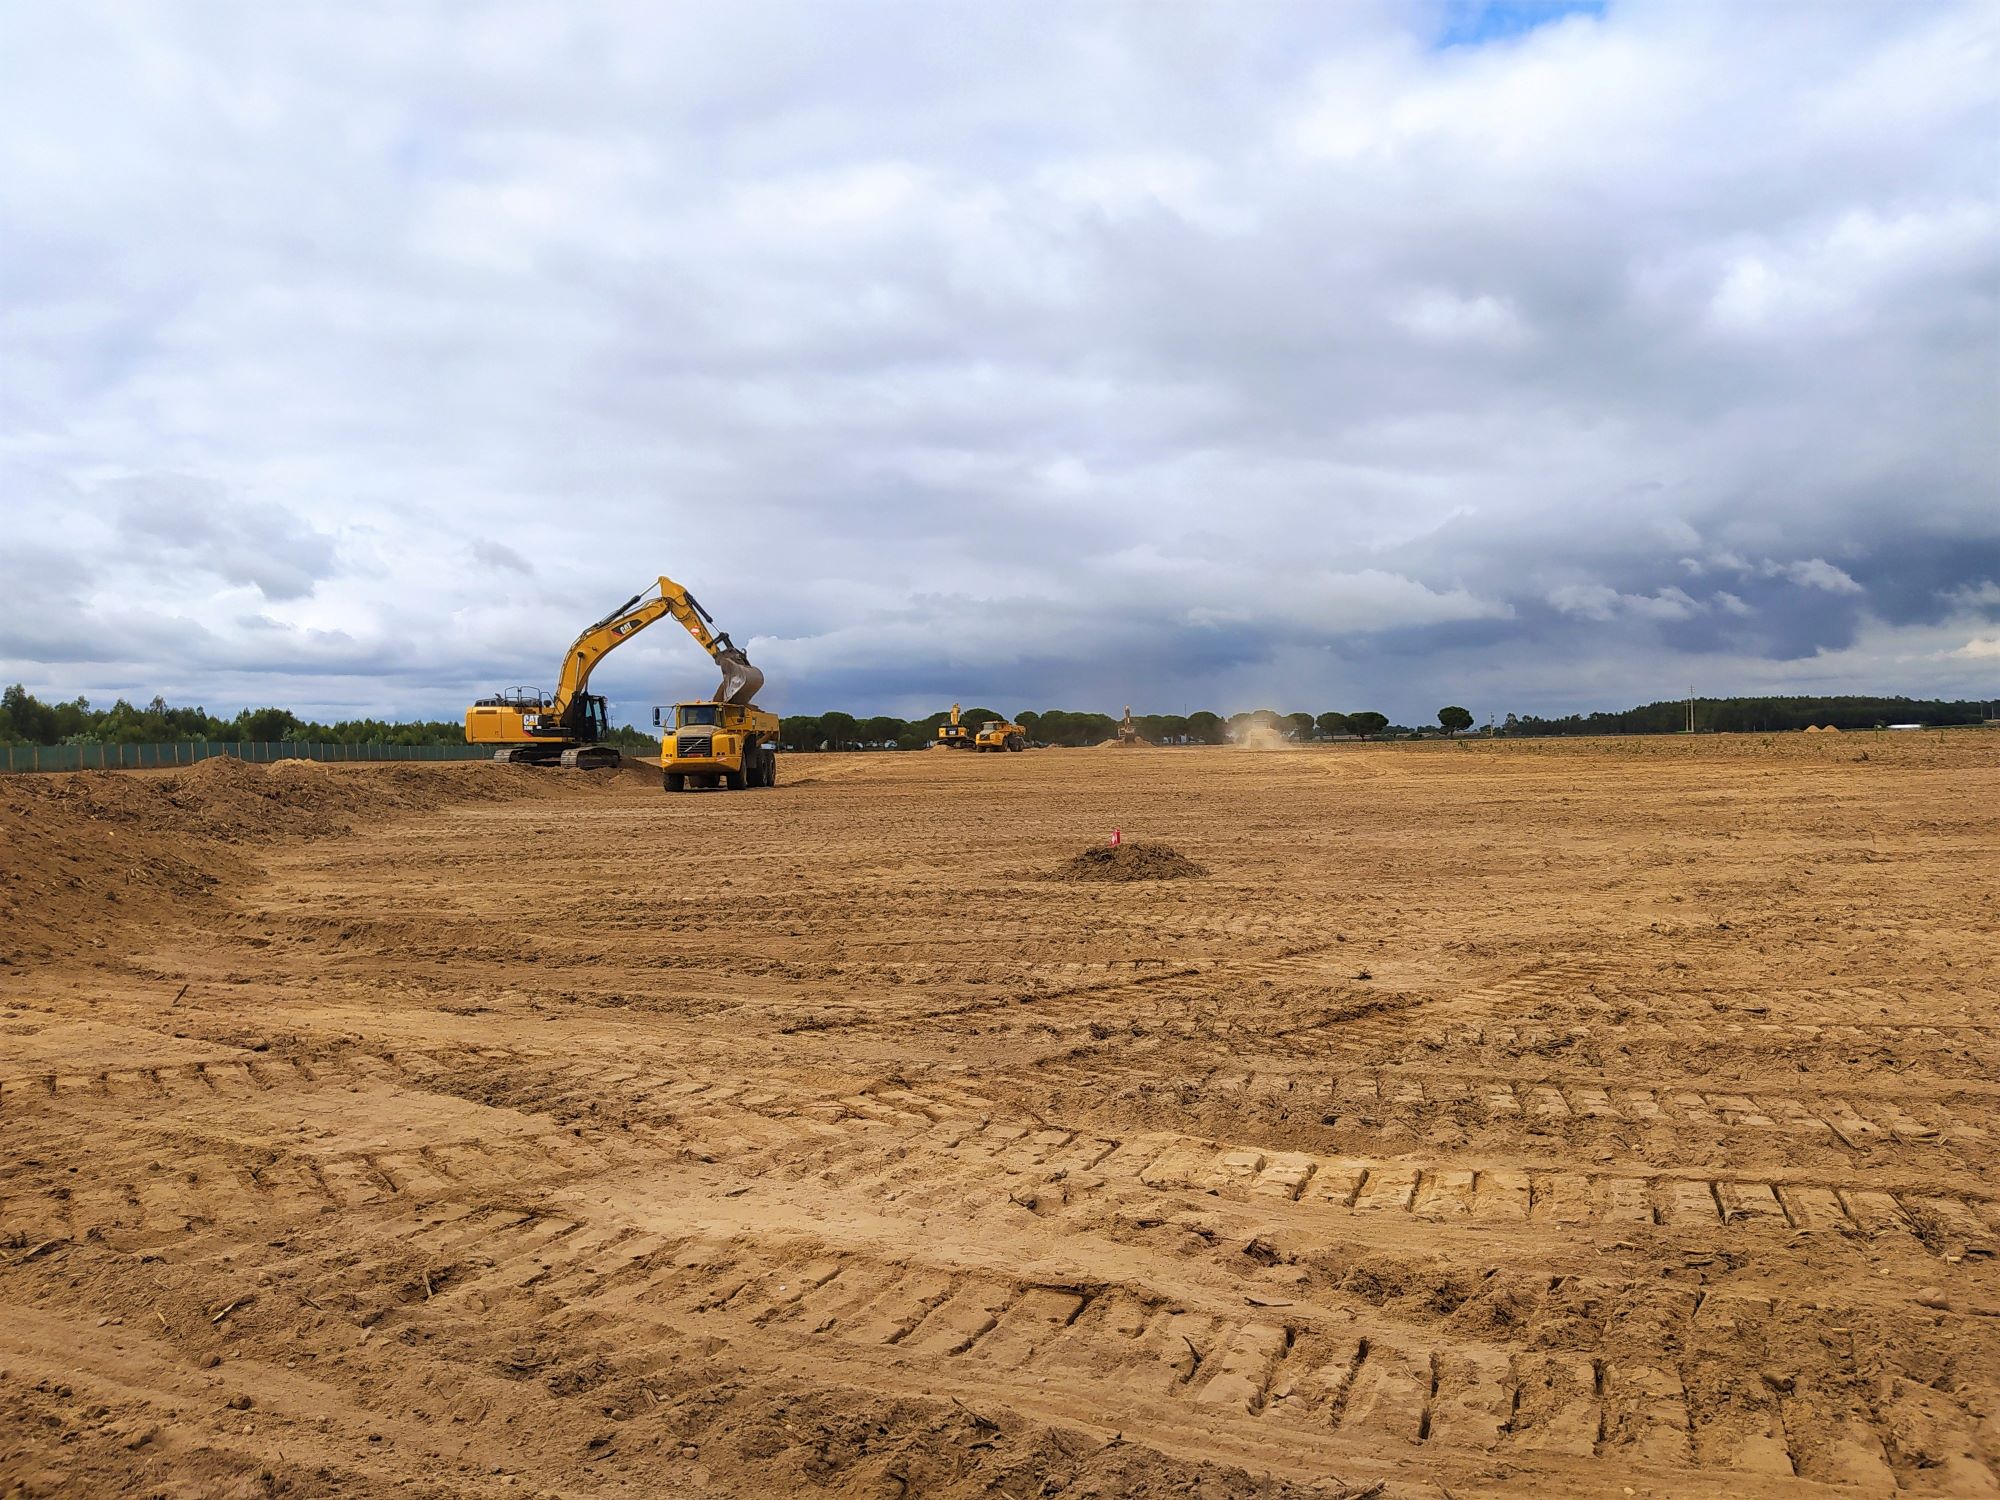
593	721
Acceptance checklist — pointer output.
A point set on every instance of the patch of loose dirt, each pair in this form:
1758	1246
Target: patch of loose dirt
86	853
1133	861
1507	1120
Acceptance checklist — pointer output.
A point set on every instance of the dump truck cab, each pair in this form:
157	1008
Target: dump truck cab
709	744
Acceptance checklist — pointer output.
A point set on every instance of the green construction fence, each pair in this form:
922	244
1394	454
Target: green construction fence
148	757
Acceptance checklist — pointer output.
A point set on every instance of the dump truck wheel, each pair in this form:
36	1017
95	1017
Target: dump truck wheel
1015	742
734	780
673	781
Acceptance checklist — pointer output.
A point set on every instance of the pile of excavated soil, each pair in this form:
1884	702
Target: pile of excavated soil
1130	862
83	852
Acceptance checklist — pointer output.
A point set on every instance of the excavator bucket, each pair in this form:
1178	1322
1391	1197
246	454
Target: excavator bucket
740	680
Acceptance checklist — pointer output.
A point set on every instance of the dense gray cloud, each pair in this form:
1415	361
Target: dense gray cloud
1534	357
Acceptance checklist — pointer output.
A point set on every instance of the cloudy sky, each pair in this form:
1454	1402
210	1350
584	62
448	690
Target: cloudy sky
1357	355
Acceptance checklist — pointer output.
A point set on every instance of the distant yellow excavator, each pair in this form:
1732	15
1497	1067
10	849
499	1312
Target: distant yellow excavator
528	727
954	736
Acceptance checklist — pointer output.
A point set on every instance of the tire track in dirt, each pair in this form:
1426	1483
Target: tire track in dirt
896	1166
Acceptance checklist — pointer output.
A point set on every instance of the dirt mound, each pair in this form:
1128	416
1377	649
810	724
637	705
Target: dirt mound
233	800
1130	862
83	852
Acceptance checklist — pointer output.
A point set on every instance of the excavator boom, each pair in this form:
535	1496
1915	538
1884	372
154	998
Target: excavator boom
740	680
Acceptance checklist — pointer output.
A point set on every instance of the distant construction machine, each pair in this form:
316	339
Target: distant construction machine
1128	734
999	734
954	736
566	727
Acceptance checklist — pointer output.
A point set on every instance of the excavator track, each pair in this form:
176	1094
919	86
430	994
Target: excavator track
524	755
592	758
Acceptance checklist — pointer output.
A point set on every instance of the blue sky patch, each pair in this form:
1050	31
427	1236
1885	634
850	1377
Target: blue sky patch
1470	23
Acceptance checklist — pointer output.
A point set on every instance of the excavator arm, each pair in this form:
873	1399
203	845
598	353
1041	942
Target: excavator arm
740	680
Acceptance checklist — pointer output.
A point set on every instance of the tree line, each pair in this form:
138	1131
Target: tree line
25	719
1754	715
1057	726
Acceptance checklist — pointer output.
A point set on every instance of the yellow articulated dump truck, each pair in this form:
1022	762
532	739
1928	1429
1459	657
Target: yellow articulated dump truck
996	734
733	745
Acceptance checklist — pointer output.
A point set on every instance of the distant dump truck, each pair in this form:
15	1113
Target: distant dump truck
998	734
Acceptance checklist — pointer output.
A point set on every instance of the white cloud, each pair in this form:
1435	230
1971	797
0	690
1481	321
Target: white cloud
1594	601
1814	573
1447	318
1136	353
1984	594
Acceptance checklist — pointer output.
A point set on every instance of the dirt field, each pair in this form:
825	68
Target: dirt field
1594	1118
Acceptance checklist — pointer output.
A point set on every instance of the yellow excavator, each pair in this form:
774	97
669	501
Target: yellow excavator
954	736
528	727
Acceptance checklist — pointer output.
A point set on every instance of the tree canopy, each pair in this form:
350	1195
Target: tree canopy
1367	724
1750	715
26	719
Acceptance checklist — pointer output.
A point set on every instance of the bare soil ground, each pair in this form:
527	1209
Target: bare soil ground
1546	1119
